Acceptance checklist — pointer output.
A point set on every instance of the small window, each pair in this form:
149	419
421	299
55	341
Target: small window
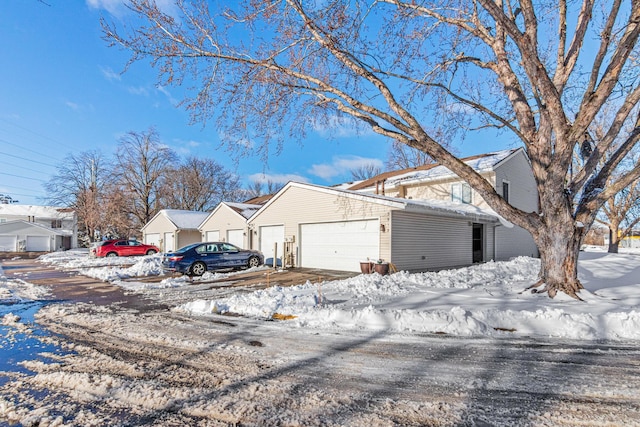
56	223
505	191
461	193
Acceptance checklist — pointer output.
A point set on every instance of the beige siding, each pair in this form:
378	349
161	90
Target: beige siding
297	205
423	242
515	241
159	224
440	190
187	237
223	220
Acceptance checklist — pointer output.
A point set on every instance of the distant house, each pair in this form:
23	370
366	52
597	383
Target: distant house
171	229
228	223
37	228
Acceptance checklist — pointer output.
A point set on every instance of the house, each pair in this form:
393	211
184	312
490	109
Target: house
418	219
37	228
228	223
508	170
337	229
171	229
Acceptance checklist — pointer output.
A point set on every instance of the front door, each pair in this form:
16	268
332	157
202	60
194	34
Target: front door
477	243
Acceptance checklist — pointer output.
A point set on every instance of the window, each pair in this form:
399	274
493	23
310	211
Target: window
461	193
505	191
56	223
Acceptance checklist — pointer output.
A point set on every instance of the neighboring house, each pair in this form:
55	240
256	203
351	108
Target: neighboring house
171	229
509	171
320	227
228	223
37	228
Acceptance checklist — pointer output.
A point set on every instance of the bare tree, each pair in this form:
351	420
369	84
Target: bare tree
366	171
142	165
621	214
200	185
400	66
80	183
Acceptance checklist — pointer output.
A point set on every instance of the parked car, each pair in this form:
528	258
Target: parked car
123	248
196	259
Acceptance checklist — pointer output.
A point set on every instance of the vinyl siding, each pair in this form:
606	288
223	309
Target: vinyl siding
296	206
223	220
441	190
422	243
515	241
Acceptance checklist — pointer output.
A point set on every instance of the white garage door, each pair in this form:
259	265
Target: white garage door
169	244
213	236
38	244
270	235
235	237
152	239
8	243
339	245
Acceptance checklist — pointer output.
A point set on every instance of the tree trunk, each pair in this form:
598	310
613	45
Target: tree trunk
558	237
614	240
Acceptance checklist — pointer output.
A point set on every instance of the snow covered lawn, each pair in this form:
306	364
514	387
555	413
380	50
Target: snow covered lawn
485	299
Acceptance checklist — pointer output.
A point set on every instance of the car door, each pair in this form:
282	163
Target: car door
210	254
232	257
122	248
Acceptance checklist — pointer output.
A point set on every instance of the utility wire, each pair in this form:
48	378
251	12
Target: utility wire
25	149
20	176
28	160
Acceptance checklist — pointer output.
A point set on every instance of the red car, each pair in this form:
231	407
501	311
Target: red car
123	248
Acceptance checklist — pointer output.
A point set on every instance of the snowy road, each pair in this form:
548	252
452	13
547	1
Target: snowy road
159	369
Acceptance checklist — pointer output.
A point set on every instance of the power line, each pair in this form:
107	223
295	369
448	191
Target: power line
28	160
27	169
17	188
35	133
24	177
25	149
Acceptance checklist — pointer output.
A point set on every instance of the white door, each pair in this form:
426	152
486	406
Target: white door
269	236
152	239
236	237
169	244
339	245
38	243
213	236
8	243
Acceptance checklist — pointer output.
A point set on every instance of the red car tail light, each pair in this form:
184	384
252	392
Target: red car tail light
175	258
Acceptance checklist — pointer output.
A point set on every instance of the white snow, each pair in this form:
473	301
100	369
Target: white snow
485	299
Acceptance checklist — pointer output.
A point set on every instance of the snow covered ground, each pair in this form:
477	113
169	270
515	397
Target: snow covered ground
358	352
485	299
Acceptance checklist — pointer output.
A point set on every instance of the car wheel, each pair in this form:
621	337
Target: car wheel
254	261
198	268
112	254
151	252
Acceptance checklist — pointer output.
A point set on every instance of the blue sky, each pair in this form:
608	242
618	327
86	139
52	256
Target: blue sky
63	92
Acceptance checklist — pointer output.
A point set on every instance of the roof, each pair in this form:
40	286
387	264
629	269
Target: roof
244	209
434	207
260	200
182	219
480	163
40	212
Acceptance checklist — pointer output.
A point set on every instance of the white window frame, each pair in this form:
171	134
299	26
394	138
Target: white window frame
461	193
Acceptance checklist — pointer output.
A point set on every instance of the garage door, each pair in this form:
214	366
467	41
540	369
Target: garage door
152	239
8	243
213	236
38	244
339	245
169	244
236	237
269	235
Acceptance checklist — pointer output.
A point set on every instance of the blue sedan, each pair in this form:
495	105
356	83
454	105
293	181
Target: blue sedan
196	259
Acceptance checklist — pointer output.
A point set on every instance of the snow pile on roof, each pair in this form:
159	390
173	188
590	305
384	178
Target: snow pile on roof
483	163
245	209
185	220
39	212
